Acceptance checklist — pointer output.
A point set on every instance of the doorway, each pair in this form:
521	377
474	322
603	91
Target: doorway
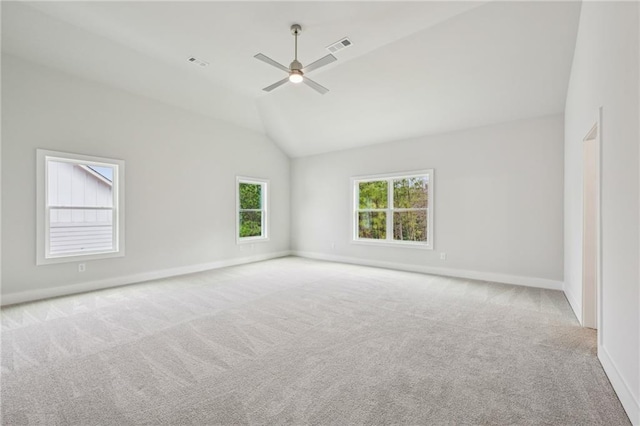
591	228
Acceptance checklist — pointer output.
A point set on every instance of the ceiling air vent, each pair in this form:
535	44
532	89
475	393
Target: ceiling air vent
339	45
197	61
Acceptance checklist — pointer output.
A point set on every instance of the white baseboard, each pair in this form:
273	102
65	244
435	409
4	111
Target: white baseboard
457	273
630	402
31	295
573	302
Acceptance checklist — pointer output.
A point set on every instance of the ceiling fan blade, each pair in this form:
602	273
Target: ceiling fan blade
276	84
270	61
315	86
325	60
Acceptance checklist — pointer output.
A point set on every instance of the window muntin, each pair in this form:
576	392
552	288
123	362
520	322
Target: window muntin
251	218
394	209
80	207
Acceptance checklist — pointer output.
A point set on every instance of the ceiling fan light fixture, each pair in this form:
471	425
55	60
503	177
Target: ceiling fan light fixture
296	76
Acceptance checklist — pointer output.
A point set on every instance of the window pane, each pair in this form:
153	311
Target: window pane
411	193
79	185
372	225
250	196
80	231
373	195
410	226
250	224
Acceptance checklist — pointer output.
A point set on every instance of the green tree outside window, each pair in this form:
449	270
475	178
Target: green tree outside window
251	209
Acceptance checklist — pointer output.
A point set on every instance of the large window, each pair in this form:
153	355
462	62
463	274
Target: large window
80	202
394	209
251	215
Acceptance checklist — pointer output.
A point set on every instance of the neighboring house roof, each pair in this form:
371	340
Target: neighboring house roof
99	173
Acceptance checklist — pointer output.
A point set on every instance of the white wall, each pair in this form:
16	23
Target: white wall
180	180
498	202
605	73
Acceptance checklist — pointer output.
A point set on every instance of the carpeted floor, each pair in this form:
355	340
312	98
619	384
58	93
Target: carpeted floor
295	341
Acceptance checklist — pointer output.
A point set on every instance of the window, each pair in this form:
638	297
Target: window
251	219
80	201
394	209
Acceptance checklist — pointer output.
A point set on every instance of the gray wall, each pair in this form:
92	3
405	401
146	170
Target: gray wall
180	178
498	202
605	74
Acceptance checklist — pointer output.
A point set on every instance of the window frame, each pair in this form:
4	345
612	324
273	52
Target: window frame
264	183
43	256
389	241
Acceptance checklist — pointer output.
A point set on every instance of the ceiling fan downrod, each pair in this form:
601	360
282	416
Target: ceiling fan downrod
296	74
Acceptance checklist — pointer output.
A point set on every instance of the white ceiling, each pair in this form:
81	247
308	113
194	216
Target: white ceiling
414	68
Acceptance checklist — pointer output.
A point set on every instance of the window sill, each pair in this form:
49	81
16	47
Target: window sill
246	240
79	257
404	244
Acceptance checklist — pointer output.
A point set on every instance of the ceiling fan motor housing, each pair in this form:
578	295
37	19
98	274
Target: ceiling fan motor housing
295	65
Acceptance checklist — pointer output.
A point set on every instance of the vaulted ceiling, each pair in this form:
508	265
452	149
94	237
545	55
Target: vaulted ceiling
414	68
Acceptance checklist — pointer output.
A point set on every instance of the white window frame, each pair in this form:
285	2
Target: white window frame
389	241
265	209
43	257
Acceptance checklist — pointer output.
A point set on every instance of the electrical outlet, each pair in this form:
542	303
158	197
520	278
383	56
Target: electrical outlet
333	245
443	256
82	267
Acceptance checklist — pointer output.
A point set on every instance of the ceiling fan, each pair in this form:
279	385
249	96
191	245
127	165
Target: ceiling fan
296	71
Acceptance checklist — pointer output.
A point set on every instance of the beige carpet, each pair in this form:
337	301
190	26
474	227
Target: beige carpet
294	341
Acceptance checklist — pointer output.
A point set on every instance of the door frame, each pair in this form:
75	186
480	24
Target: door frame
595	134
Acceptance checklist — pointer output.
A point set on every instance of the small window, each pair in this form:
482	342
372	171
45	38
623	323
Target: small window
394	209
80	207
251	219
